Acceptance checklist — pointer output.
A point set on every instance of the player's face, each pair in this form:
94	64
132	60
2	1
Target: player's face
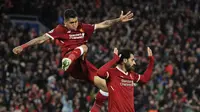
130	63
72	23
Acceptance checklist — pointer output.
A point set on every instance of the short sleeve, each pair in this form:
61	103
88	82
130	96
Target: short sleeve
56	32
88	29
52	34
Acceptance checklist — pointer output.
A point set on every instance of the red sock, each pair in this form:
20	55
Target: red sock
99	101
75	54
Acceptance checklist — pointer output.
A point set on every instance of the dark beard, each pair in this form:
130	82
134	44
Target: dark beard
129	67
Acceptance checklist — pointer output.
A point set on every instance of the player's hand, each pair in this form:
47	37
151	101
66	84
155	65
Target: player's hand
17	50
116	52
149	51
127	17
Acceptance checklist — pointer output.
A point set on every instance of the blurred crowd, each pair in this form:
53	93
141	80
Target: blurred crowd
34	82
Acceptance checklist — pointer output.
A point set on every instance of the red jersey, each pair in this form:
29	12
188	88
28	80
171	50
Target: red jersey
120	85
70	39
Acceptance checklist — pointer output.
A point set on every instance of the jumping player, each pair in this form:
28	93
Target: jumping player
120	80
72	38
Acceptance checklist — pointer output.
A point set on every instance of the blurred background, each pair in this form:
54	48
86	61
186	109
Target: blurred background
34	81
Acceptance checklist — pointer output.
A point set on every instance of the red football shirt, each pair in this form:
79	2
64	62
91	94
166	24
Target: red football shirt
120	85
70	39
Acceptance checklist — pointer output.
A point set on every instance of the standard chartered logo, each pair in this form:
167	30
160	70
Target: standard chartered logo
125	82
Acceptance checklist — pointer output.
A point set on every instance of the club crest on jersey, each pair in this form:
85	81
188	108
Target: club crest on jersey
81	30
77	36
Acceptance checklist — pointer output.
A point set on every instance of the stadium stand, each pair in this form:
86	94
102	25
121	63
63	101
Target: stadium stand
34	82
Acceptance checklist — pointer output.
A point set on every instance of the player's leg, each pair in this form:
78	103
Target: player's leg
102	94
75	54
100	83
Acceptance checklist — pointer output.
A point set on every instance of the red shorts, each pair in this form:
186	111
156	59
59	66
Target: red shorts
82	69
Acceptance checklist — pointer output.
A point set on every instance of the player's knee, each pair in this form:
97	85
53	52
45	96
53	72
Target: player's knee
85	48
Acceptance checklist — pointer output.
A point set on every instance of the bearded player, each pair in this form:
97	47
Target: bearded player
120	80
72	38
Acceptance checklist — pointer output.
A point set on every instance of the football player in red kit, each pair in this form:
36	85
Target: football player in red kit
120	80
72	38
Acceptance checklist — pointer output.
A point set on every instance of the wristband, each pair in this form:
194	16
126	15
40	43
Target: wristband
24	46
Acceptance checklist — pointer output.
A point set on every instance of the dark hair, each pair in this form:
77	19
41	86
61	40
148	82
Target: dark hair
125	54
70	13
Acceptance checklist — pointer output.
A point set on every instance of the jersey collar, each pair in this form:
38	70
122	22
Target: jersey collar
125	73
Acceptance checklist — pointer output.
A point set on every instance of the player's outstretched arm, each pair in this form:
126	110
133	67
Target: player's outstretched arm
102	71
38	40
107	23
147	74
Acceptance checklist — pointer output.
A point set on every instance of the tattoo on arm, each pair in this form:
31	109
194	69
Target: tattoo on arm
38	40
109	23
